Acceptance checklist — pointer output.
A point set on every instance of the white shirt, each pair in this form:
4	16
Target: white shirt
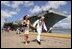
39	25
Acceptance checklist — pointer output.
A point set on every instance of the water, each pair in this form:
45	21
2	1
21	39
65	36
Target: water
62	31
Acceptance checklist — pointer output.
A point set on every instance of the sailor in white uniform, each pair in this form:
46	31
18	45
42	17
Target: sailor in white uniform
39	24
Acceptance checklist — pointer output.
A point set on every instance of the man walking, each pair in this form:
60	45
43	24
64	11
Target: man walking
38	24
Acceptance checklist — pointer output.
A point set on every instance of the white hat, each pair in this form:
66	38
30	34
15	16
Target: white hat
43	17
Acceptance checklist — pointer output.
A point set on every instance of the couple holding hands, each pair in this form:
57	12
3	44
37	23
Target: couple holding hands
38	25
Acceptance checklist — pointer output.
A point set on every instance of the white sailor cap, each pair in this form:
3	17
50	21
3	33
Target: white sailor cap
42	17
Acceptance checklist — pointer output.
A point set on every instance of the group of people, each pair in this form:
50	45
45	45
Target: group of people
38	25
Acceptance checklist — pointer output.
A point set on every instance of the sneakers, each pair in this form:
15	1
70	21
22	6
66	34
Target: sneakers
39	42
26	42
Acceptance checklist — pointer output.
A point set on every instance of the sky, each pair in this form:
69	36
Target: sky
14	10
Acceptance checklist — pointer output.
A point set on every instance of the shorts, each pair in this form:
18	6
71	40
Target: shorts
26	30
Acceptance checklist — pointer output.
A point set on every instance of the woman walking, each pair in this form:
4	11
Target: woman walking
26	23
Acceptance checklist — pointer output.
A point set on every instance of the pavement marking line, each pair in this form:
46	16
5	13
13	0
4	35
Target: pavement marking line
55	35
